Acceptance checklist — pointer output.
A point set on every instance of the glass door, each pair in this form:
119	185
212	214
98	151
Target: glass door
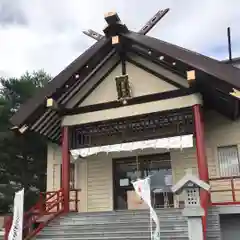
159	168
126	171
129	169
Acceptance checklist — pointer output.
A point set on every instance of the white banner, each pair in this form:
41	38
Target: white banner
178	142
17	223
142	188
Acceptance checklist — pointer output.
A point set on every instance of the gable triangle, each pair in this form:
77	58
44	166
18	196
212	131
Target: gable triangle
141	83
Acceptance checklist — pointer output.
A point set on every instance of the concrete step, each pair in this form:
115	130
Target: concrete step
120	225
162	212
113	226
112	220
125	234
165	223
119	238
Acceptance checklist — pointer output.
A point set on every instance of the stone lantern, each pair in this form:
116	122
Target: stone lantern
190	187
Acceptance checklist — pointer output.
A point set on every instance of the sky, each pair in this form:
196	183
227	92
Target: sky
47	34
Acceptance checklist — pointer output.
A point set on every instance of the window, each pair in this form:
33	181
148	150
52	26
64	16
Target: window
228	160
72	176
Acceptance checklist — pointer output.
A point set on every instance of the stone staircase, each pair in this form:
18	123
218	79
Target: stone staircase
118	225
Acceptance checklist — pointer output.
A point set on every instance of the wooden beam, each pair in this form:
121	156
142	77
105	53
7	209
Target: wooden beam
132	101
153	21
93	34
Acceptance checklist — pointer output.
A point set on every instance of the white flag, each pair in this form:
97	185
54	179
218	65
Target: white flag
142	188
15	232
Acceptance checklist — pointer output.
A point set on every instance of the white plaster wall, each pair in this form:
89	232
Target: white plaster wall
54	160
53	167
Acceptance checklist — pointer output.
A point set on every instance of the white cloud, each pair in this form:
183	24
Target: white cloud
51	36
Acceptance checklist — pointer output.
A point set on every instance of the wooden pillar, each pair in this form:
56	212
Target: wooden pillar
201	161
65	168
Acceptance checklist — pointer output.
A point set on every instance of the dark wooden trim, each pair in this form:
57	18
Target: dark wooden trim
47	120
90	56
123	61
131	101
78	85
52	130
236	109
97	79
166	63
158	75
204	64
172	122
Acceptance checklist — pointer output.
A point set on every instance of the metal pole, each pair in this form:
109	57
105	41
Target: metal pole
229	44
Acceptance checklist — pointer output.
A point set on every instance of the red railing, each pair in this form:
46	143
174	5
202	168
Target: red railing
226	190
49	206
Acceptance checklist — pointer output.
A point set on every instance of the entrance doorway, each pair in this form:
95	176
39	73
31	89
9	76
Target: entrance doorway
126	170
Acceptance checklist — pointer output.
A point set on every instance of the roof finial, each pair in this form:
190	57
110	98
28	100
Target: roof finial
113	18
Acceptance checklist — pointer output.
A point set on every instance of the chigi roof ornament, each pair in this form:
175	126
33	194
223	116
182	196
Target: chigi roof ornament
115	18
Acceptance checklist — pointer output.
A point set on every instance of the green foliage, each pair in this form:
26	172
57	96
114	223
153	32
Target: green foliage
22	156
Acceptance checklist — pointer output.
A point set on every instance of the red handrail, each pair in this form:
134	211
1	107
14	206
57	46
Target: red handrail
231	189
50	204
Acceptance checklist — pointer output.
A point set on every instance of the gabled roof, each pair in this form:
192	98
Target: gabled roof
214	79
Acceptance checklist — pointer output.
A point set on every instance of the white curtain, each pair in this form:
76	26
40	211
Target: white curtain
178	142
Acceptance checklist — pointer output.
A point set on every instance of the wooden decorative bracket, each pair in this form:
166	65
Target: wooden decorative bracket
235	93
52	104
191	75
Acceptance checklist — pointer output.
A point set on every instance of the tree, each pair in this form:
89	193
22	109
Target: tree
22	156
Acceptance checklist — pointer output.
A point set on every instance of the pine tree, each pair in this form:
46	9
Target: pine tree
22	156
